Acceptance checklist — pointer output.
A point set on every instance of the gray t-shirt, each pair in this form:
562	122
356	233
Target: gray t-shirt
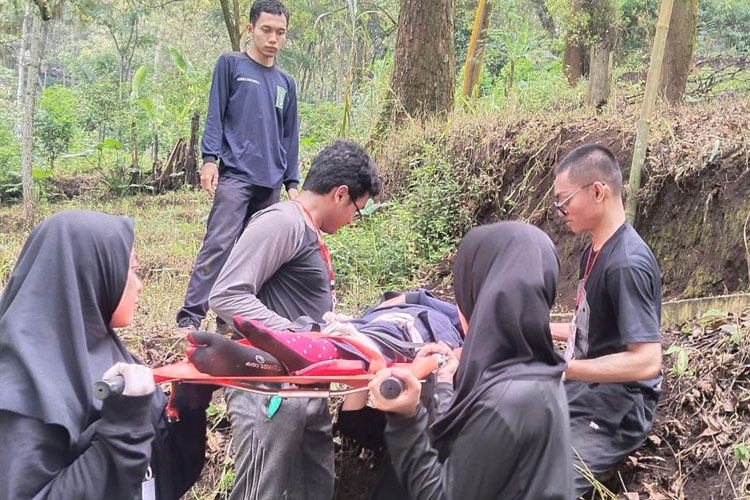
276	272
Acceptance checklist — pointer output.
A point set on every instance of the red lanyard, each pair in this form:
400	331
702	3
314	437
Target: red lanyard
586	272
323	251
570	348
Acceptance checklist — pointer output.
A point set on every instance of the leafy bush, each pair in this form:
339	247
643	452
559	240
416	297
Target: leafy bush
55	121
10	164
387	250
723	25
318	125
436	205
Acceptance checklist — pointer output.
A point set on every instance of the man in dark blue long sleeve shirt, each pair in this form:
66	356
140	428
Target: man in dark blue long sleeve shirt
252	131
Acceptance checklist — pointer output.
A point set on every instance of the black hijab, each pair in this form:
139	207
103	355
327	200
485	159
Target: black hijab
505	278
55	338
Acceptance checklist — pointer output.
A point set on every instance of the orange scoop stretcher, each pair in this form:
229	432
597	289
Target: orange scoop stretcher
313	381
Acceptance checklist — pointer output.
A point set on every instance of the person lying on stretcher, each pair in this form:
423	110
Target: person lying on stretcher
393	330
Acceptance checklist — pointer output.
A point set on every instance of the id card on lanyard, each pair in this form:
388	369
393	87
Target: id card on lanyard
148	486
570	347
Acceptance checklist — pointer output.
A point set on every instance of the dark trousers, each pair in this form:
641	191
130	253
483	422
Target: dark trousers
234	203
608	422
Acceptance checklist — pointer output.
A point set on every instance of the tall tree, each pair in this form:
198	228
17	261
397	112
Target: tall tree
602	21
545	17
424	67
20	102
32	73
233	22
680	47
574	47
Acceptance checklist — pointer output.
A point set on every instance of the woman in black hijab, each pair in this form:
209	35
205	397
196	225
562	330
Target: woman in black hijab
74	280
505	434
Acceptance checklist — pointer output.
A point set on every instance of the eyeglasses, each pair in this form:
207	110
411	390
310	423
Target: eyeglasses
358	215
560	205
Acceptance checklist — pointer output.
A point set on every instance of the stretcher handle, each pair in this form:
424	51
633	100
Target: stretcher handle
109	387
392	387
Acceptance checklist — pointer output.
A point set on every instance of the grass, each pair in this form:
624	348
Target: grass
168	230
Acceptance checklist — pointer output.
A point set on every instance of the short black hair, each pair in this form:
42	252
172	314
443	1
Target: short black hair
591	163
343	163
268	6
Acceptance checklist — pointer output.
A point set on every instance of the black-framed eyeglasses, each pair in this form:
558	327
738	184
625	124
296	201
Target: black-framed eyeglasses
560	205
358	215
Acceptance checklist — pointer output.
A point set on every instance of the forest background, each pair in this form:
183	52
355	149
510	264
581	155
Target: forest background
103	104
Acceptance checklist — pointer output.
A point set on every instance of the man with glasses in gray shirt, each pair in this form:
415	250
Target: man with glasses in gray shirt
280	270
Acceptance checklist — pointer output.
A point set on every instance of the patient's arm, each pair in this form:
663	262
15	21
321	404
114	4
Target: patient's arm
355	401
398	299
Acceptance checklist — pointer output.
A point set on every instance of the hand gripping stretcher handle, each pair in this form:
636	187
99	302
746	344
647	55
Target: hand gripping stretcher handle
109	387
392	387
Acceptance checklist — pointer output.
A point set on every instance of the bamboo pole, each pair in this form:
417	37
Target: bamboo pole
475	54
649	98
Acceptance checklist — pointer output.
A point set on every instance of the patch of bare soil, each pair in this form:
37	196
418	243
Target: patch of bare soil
71	186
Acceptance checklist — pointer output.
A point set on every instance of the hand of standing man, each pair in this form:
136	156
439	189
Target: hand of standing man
209	177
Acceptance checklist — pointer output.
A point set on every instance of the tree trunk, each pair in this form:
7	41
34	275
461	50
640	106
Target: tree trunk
44	9
511	75
602	32
573	54
158	52
600	74
545	18
28	118
191	167
424	66
680	47
157	163
20	67
340	71
133	147
475	54
231	24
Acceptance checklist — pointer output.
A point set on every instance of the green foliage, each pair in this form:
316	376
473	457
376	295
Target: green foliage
713	318
723	25
681	364
55	121
318	125
538	86
10	164
741	452
395	242
99	110
516	48
116	177
638	26
373	255
137	83
436	204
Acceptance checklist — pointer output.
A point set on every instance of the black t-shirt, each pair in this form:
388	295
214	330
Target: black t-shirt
621	303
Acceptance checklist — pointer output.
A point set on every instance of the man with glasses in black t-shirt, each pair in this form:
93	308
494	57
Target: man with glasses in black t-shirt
613	343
